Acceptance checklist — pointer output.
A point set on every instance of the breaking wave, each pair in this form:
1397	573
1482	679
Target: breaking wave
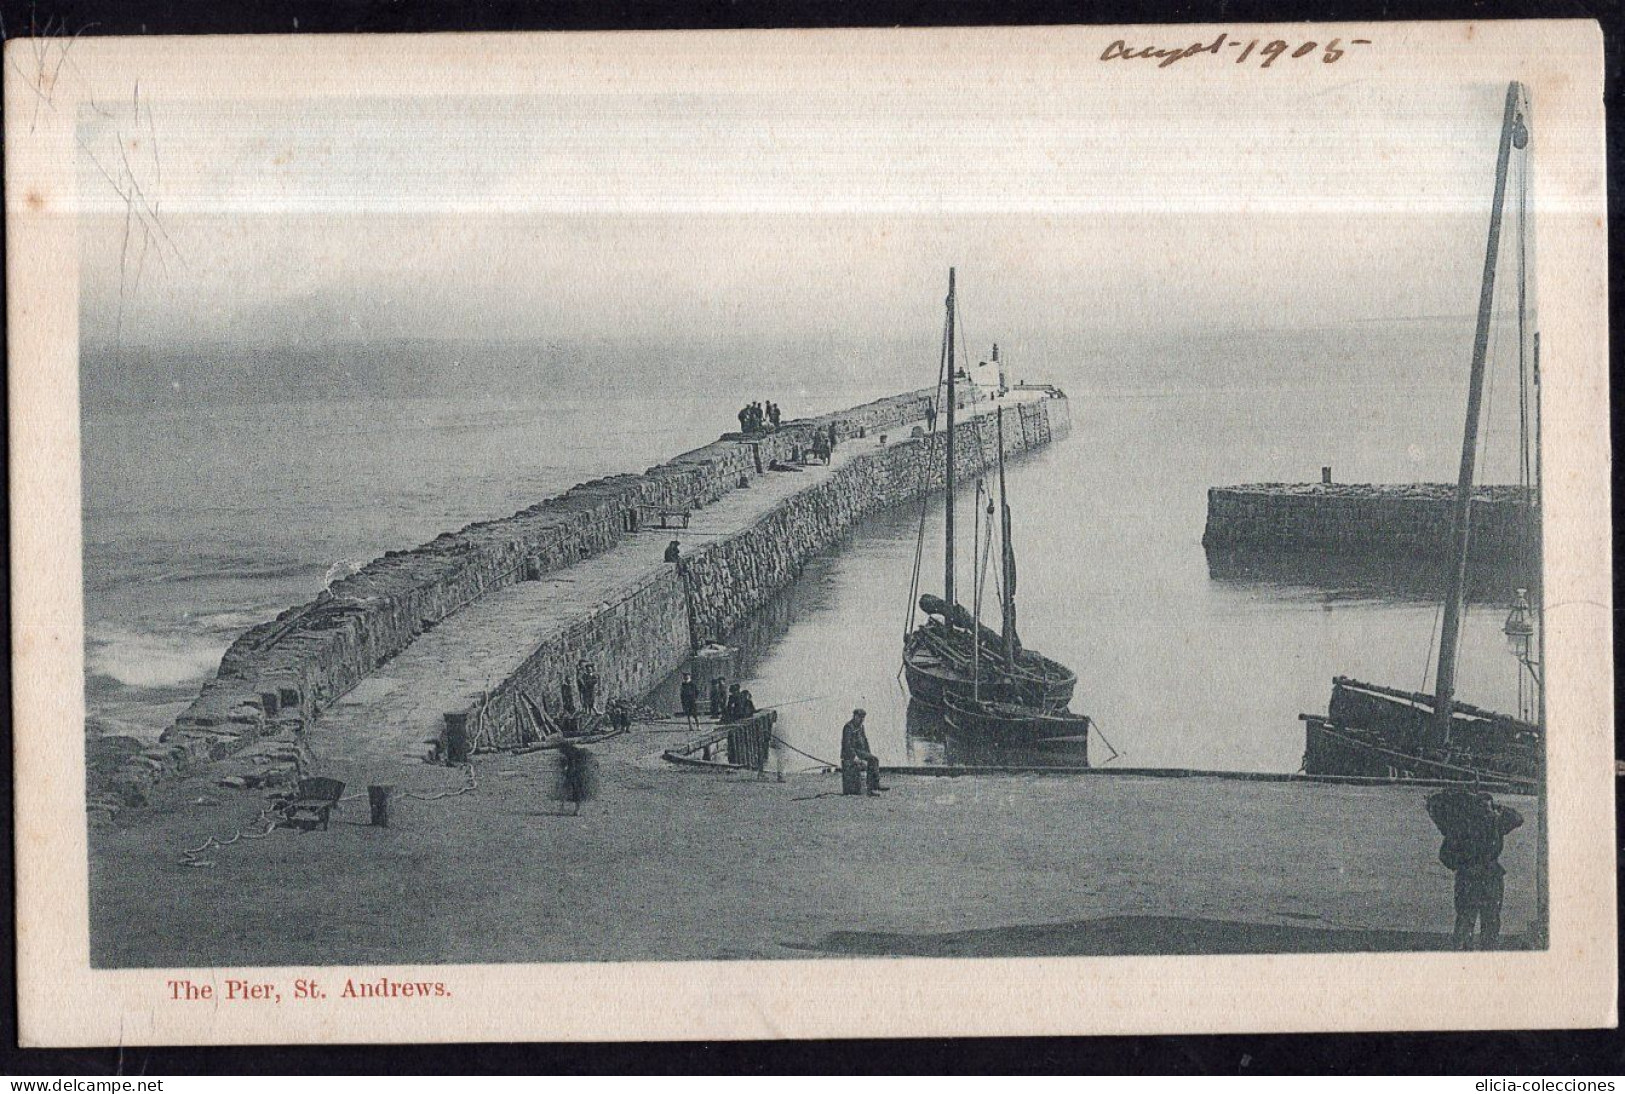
140	659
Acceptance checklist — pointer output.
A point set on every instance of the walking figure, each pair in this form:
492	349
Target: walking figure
690	694
578	780
1474	828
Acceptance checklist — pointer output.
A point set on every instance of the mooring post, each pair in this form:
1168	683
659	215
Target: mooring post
1326	475
378	799
456	737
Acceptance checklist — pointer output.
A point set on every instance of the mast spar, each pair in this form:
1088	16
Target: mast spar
948	523
1007	558
1450	632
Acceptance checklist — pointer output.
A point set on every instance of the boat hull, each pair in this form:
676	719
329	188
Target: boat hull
933	681
1375	732
1004	725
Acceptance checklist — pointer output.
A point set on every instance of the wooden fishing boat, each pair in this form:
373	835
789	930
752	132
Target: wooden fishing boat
1004	724
1381	732
1376	731
939	663
949	655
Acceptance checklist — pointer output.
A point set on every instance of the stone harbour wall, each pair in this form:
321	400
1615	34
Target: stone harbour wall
731	578
634	641
651	631
278	676
1401	521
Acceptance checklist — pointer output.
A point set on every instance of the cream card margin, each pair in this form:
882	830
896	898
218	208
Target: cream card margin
63	1002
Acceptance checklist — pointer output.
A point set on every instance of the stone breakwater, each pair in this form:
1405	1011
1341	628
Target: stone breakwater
278	677
1393	521
661	619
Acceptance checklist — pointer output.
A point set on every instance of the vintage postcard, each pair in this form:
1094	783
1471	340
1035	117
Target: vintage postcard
808	534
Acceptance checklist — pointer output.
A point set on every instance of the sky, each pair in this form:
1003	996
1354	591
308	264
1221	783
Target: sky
713	215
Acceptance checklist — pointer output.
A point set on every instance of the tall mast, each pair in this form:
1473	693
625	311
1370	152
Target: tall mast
1461	520
948	524
1007	557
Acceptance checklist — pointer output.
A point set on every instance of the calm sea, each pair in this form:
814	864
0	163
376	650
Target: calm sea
200	521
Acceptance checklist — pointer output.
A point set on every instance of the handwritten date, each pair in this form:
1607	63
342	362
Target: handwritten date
1264	54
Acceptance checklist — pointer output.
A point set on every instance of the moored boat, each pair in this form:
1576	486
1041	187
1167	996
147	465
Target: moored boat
1379	732
1004	724
1369	730
949	655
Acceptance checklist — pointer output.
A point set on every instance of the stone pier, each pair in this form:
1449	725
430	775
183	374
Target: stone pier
370	670
1410	520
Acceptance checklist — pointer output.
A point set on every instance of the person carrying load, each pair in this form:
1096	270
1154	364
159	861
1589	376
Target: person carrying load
1474	829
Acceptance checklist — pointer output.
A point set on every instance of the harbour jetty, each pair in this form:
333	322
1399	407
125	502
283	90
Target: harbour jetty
451	633
1410	520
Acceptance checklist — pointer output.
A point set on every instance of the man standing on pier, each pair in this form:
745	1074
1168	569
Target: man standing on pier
587	683
855	751
1475	828
718	697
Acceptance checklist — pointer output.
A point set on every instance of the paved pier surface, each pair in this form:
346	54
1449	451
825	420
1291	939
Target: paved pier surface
679	864
385	720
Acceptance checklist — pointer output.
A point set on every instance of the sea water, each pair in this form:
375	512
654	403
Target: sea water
203	519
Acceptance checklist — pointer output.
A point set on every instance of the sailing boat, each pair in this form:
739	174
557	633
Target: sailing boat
1369	730
951	654
996	716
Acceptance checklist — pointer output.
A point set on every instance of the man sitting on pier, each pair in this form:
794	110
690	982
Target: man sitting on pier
674	551
855	752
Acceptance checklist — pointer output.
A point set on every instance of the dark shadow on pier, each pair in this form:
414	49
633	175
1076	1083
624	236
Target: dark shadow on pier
1116	936
1342	577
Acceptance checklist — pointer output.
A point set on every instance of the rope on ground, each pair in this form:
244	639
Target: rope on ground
472	784
797	751
189	856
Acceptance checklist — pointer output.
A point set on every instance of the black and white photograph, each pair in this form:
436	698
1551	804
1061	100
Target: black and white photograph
876	503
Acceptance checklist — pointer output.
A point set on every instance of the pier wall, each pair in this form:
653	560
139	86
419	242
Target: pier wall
637	640
634	641
280	675
1391	521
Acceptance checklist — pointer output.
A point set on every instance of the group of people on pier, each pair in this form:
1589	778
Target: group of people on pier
759	417
725	702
